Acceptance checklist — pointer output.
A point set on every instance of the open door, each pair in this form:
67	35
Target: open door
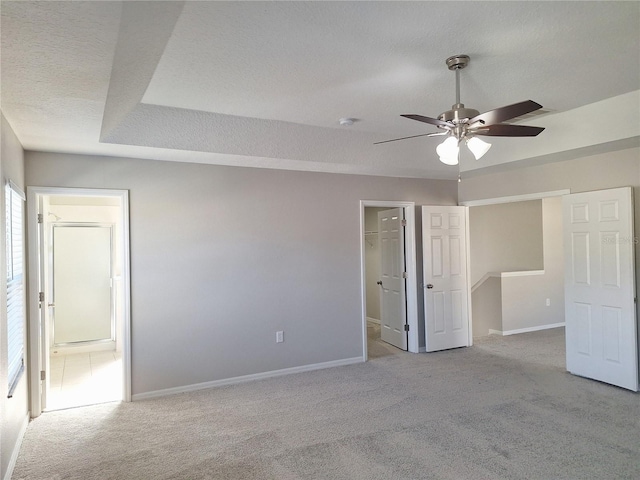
393	300
600	314
446	299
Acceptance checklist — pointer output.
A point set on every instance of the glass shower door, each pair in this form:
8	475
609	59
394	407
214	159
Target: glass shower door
82	284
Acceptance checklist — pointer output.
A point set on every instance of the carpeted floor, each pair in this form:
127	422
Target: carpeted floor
502	409
376	348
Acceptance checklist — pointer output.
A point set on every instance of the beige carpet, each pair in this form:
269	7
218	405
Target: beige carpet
504	408
376	348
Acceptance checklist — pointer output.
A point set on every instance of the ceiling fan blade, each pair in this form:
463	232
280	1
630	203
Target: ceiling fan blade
501	114
413	136
505	130
432	121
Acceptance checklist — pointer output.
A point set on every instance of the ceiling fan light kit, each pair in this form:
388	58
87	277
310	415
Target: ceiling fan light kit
461	123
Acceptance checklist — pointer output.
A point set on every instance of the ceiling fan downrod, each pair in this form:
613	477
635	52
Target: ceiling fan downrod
457	63
458	113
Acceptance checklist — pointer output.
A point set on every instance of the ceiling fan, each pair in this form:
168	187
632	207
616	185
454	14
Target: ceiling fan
461	123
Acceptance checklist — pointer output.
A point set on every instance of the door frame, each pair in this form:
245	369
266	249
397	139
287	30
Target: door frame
413	340
35	338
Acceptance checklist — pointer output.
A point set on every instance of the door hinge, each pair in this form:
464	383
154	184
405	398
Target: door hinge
43	375
406	327
41	297
405	275
404	222
40	219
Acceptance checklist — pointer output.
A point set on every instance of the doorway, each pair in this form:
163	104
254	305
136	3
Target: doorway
79	300
378	305
517	273
369	271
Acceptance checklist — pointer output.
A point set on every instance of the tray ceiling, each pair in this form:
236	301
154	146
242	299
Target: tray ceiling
265	83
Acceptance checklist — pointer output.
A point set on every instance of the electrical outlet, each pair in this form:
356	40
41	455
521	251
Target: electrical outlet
548	302
279	336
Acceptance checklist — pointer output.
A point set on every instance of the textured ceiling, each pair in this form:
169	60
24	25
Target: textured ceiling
265	83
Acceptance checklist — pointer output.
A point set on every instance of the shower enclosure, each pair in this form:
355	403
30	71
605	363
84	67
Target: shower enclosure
82	293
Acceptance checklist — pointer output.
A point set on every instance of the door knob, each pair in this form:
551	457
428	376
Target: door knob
429	285
379	282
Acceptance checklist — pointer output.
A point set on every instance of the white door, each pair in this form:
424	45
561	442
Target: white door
446	299
601	327
393	303
82	283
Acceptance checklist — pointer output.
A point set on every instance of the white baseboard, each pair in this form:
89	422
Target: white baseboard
245	378
526	330
422	350
16	448
373	320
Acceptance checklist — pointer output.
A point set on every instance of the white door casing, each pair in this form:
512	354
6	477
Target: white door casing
600	314
43	344
446	286
393	303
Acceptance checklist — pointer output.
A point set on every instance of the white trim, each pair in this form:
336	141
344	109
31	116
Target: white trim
245	378
16	448
519	273
413	343
33	196
468	253
506	333
515	198
373	320
422	350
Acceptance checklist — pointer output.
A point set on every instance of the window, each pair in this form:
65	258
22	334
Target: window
14	201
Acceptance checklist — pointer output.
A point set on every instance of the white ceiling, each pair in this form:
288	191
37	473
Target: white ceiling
265	83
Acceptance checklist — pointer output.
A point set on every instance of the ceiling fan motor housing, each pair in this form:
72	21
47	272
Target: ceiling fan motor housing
458	114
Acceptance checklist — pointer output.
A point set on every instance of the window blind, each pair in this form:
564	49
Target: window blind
14	203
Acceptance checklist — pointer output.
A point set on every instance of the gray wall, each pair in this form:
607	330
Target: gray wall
222	257
524	298
13	411
596	172
506	237
486	302
514	237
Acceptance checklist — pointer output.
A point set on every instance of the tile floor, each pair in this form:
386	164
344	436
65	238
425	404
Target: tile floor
84	379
